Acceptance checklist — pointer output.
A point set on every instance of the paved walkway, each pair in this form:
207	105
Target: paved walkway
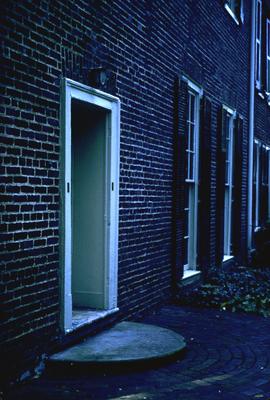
227	358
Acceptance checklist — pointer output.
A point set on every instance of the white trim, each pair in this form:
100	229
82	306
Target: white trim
190	273
70	90
227	7
196	88
227	258
229	110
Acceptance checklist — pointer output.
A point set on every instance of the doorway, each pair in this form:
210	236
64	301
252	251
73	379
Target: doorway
90	212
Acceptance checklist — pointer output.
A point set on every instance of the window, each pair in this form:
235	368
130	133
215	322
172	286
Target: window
256	192
264	206
261	192
228	197
268	55
191	124
258	43
191	181
234	9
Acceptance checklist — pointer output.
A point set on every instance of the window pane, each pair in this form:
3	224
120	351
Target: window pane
192	105
258	19
227	148
268	37
255	163
186	229
191	138
192	166
188	138
188	165
268	75
185	254
257	61
226	173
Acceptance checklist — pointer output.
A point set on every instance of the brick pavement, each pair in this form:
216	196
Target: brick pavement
228	358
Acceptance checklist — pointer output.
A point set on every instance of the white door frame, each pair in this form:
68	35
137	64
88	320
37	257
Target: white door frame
74	90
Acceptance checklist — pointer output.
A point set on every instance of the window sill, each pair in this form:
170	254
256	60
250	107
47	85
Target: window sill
227	261
227	258
258	85
190	277
232	14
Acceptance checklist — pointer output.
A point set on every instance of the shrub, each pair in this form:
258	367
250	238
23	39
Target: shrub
241	289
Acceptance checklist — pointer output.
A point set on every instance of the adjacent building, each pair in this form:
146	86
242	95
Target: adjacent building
134	155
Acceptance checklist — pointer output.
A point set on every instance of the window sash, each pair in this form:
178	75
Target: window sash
229	147
268	55
228	198
256	182
258	41
192	127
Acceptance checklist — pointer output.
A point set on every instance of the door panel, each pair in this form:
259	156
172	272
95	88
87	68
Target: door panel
88	204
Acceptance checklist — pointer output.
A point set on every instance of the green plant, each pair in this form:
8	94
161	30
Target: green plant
241	289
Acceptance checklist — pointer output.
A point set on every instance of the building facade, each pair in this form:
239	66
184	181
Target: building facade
261	124
125	141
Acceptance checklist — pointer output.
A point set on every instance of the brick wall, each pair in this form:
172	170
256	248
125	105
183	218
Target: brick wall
146	44
262	119
262	109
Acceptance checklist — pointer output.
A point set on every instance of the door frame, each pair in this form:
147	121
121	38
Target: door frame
74	90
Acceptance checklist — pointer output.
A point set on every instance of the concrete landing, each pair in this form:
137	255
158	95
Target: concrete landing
126	342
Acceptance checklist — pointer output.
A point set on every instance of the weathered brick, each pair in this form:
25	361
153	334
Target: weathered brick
147	47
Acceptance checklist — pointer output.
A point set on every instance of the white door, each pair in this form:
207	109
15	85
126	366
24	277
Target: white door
88	203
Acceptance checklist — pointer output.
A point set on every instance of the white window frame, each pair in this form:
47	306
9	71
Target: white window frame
228	186
268	56
258	44
197	92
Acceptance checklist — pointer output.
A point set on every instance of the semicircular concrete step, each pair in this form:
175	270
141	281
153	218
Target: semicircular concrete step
125	343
